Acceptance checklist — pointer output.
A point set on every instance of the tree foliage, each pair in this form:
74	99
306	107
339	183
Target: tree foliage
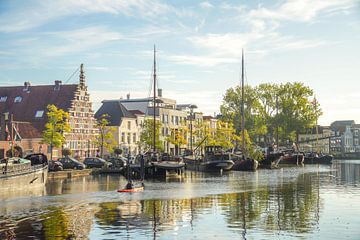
57	124
147	135
268	108
66	152
105	139
117	151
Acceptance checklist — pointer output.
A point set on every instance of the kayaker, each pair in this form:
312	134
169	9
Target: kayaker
129	185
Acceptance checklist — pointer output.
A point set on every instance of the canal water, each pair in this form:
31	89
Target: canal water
308	202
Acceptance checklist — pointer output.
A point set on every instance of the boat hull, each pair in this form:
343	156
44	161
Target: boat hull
245	165
136	189
326	159
168	168
297	158
33	177
215	165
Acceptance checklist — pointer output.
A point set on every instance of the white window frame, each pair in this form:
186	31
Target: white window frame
39	113
17	99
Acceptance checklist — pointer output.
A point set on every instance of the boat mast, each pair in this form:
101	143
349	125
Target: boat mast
242	105
154	99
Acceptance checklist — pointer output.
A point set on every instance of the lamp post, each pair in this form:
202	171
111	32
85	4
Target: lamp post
191	126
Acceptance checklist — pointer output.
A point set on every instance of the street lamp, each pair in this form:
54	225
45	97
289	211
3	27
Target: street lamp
191	106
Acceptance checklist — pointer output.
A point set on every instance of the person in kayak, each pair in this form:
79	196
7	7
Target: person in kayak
129	185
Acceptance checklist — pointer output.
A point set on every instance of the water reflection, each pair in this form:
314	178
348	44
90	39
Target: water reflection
287	203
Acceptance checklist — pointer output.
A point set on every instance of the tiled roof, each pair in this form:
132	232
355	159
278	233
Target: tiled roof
36	99
28	130
116	112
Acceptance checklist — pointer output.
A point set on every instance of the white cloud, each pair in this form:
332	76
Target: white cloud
42	12
206	5
302	10
202	61
81	40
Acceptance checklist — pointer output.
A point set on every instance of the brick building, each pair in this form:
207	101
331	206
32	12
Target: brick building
27	107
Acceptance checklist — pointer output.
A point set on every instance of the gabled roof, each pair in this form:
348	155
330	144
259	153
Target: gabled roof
36	98
116	112
341	125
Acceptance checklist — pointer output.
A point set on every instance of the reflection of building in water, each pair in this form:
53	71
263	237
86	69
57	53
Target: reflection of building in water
348	172
80	220
56	223
292	206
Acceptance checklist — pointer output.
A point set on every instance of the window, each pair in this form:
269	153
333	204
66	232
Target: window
134	137
17	99
39	113
129	125
123	137
3	99
129	138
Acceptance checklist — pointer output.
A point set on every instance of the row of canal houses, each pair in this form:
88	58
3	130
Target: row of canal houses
23	117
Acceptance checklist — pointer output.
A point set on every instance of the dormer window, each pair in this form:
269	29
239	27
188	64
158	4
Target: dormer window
3	99
39	113
17	99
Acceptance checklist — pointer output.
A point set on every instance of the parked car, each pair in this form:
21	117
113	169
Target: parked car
55	166
71	163
37	159
117	162
96	162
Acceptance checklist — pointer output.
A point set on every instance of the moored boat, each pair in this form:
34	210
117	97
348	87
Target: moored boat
271	160
314	158
244	164
292	158
167	164
215	159
18	173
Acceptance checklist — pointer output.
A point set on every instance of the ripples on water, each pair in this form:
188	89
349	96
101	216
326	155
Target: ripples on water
297	202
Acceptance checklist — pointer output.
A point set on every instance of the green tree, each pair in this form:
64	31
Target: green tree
55	127
147	135
178	137
268	108
117	151
105	139
296	111
66	152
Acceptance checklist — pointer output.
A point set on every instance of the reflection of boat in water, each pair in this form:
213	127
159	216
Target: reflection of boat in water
18	173
314	158
215	159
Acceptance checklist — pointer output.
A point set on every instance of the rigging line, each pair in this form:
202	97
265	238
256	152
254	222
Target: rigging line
77	69
149	92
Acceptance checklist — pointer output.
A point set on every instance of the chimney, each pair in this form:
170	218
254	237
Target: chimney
159	92
128	96
57	85
26	87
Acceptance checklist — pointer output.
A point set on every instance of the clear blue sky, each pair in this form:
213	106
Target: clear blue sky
199	45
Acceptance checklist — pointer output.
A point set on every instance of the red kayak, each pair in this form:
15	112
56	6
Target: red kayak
135	189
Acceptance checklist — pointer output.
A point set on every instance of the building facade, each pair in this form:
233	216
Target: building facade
27	106
125	125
